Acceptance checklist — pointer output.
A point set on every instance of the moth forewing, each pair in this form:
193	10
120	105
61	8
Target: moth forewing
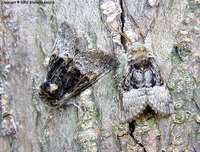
94	63
162	103
66	42
132	105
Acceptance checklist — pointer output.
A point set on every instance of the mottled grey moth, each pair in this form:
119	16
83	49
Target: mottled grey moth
70	70
143	85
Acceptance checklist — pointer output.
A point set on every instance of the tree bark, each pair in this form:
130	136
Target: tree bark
28	33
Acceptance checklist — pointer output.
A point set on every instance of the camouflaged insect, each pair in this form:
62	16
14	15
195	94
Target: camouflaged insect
70	71
143	86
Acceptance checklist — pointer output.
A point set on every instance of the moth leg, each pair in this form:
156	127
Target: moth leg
75	105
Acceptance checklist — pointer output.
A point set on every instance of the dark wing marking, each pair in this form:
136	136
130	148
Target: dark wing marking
72	77
90	66
156	73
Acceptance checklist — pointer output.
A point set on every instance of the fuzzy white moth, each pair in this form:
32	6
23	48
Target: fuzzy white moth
143	86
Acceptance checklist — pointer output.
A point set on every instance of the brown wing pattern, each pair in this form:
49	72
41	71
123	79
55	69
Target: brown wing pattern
70	71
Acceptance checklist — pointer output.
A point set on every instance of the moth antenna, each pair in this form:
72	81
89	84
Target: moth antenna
122	34
118	53
140	28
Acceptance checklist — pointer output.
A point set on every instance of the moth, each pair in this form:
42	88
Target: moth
143	86
70	70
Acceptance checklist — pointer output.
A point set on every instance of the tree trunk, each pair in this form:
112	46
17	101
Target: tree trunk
28	33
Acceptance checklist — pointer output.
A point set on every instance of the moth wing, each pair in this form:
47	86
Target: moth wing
159	100
64	49
66	42
56	64
133	104
74	71
157	73
94	64
158	96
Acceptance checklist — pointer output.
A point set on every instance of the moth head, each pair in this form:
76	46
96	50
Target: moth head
50	93
140	58
142	63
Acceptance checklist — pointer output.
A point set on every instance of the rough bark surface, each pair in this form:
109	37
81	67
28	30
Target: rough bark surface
27	35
